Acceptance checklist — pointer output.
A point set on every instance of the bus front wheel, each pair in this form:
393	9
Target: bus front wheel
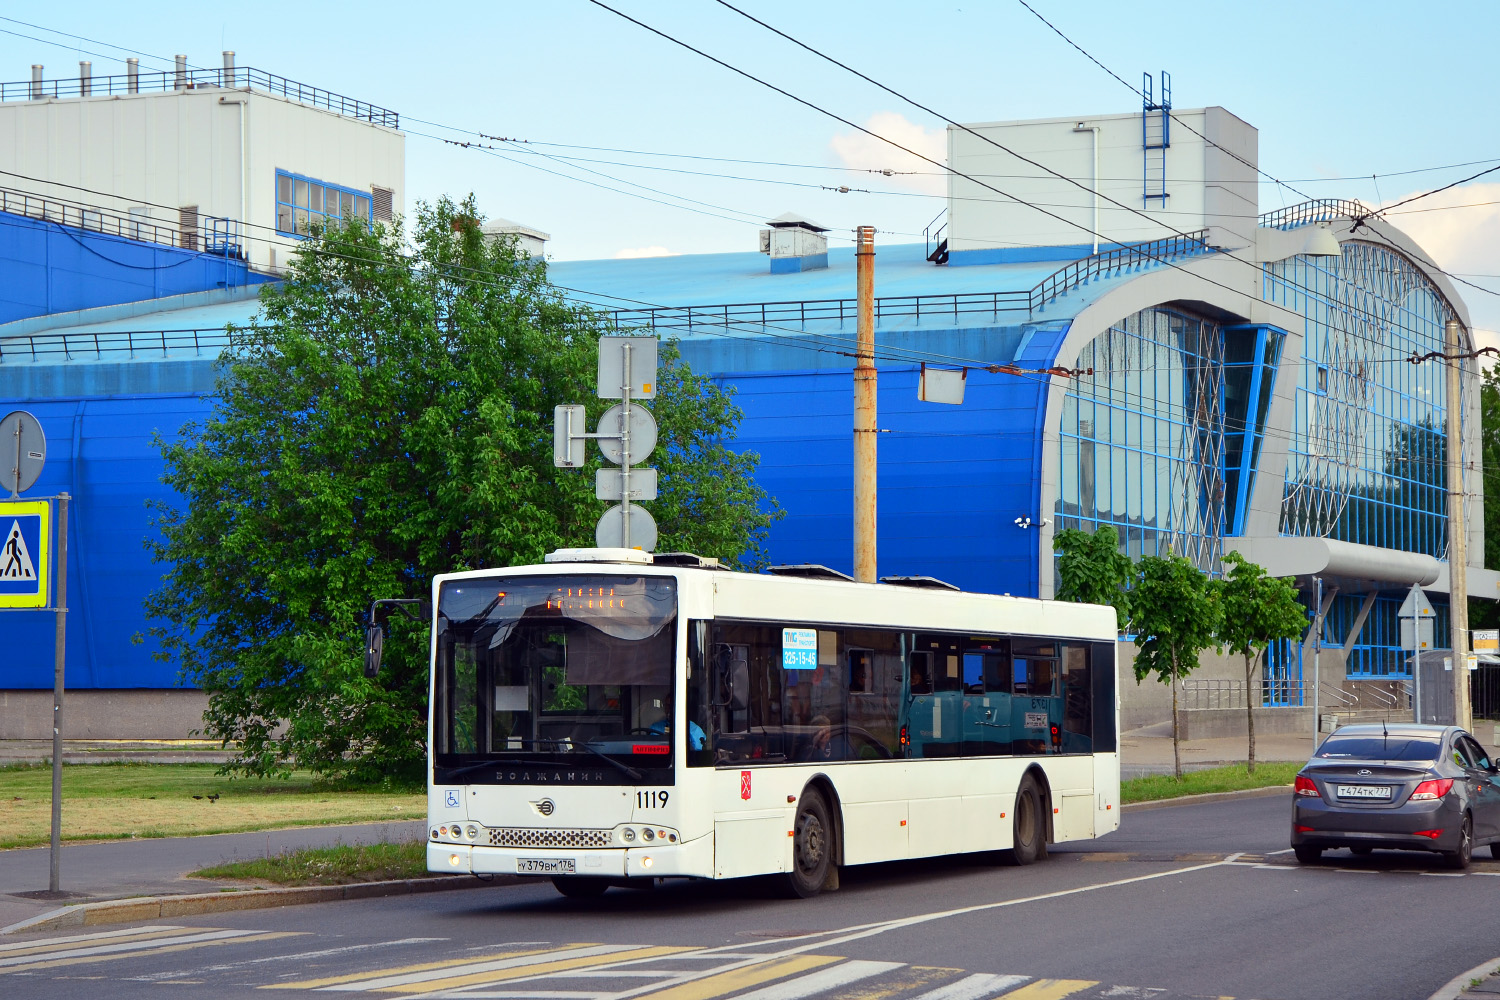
1029	838
812	848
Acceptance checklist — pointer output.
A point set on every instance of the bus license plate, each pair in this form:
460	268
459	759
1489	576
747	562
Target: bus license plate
1364	791
546	866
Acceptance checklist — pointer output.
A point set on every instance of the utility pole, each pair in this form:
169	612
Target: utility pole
864	409
1458	532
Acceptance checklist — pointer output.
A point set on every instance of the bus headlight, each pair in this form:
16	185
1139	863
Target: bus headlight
628	835
471	831
649	834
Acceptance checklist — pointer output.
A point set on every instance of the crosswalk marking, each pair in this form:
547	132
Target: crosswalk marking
1051	989
52	944
720	984
312	984
495	972
202	941
979	986
817	982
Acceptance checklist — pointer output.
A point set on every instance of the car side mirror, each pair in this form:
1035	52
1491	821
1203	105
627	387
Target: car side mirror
374	646
739	685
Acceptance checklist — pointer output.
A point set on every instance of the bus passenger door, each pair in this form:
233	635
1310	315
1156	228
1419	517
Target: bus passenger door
936	707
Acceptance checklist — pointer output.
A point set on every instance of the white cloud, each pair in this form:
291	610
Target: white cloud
865	152
633	252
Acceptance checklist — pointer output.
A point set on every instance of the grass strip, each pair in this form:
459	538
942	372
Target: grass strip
343	864
130	800
1233	778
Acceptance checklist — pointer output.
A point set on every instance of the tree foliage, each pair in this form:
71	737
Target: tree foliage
1483	613
390	418
1258	610
1093	570
1176	611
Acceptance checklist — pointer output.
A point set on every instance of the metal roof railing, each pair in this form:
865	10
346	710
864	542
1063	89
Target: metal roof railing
207	233
238	77
1026	303
1309	212
953	305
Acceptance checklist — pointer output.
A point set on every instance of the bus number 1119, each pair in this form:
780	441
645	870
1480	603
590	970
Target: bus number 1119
651	800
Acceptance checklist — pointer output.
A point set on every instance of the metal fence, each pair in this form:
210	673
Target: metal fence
196	79
1308	212
210	234
130	344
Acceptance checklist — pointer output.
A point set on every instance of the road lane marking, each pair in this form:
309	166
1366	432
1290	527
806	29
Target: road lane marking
979	986
501	971
116	947
820	982
242	937
312	984
1051	989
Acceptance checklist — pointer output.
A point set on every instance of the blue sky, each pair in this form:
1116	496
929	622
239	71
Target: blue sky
1338	91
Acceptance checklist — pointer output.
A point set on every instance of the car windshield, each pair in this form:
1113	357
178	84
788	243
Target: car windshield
1410	748
545	666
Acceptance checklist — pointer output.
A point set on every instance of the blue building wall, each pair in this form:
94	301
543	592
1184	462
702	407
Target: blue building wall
100	451
49	268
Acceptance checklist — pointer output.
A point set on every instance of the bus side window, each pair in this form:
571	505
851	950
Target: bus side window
1078	700
921	672
861	671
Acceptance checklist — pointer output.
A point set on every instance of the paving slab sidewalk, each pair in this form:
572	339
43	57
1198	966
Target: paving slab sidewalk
154	867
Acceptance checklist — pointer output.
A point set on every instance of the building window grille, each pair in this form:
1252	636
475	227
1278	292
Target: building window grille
304	202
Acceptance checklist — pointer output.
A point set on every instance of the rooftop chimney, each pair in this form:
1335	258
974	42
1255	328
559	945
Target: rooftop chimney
795	244
180	81
226	78
132	76
36	81
85	78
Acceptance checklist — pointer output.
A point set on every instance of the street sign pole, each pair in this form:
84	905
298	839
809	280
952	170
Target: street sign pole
625	448
59	657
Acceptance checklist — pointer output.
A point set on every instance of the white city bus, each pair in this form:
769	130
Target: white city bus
607	717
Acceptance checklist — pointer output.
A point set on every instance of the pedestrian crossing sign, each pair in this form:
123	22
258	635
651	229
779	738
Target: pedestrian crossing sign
25	547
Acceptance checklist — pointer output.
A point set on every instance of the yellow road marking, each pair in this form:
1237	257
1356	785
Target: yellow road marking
72	943
524	971
164	950
1050	989
913	977
312	984
739	979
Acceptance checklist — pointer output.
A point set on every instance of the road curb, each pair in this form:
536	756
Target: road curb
1457	987
119	911
1193	800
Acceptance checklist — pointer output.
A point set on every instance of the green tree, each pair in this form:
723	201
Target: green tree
390	418
1258	610
1482	613
1093	570
1176	611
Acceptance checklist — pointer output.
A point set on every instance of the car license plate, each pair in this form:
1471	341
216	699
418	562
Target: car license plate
1364	791
546	866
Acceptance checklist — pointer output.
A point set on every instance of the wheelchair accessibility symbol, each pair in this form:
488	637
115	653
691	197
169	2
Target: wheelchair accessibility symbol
450	798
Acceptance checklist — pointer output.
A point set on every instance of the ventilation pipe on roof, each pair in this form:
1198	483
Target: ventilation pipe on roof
132	76
85	78
180	80
226	78
36	81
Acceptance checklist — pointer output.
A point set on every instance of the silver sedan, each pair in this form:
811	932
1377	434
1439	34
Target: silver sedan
1397	786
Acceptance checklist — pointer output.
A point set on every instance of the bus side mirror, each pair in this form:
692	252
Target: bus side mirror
732	679
374	646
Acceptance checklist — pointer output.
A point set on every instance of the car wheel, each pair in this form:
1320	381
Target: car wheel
580	886
1461	857
1029	837
812	848
1361	851
1307	854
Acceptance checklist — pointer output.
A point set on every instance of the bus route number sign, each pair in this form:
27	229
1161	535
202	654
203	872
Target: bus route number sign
799	649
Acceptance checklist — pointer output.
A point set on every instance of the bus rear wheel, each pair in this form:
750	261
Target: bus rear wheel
1029	826
580	886
812	848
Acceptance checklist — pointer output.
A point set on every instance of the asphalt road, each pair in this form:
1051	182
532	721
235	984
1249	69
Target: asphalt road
1188	901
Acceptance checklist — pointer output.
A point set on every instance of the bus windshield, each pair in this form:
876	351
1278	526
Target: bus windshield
551	669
